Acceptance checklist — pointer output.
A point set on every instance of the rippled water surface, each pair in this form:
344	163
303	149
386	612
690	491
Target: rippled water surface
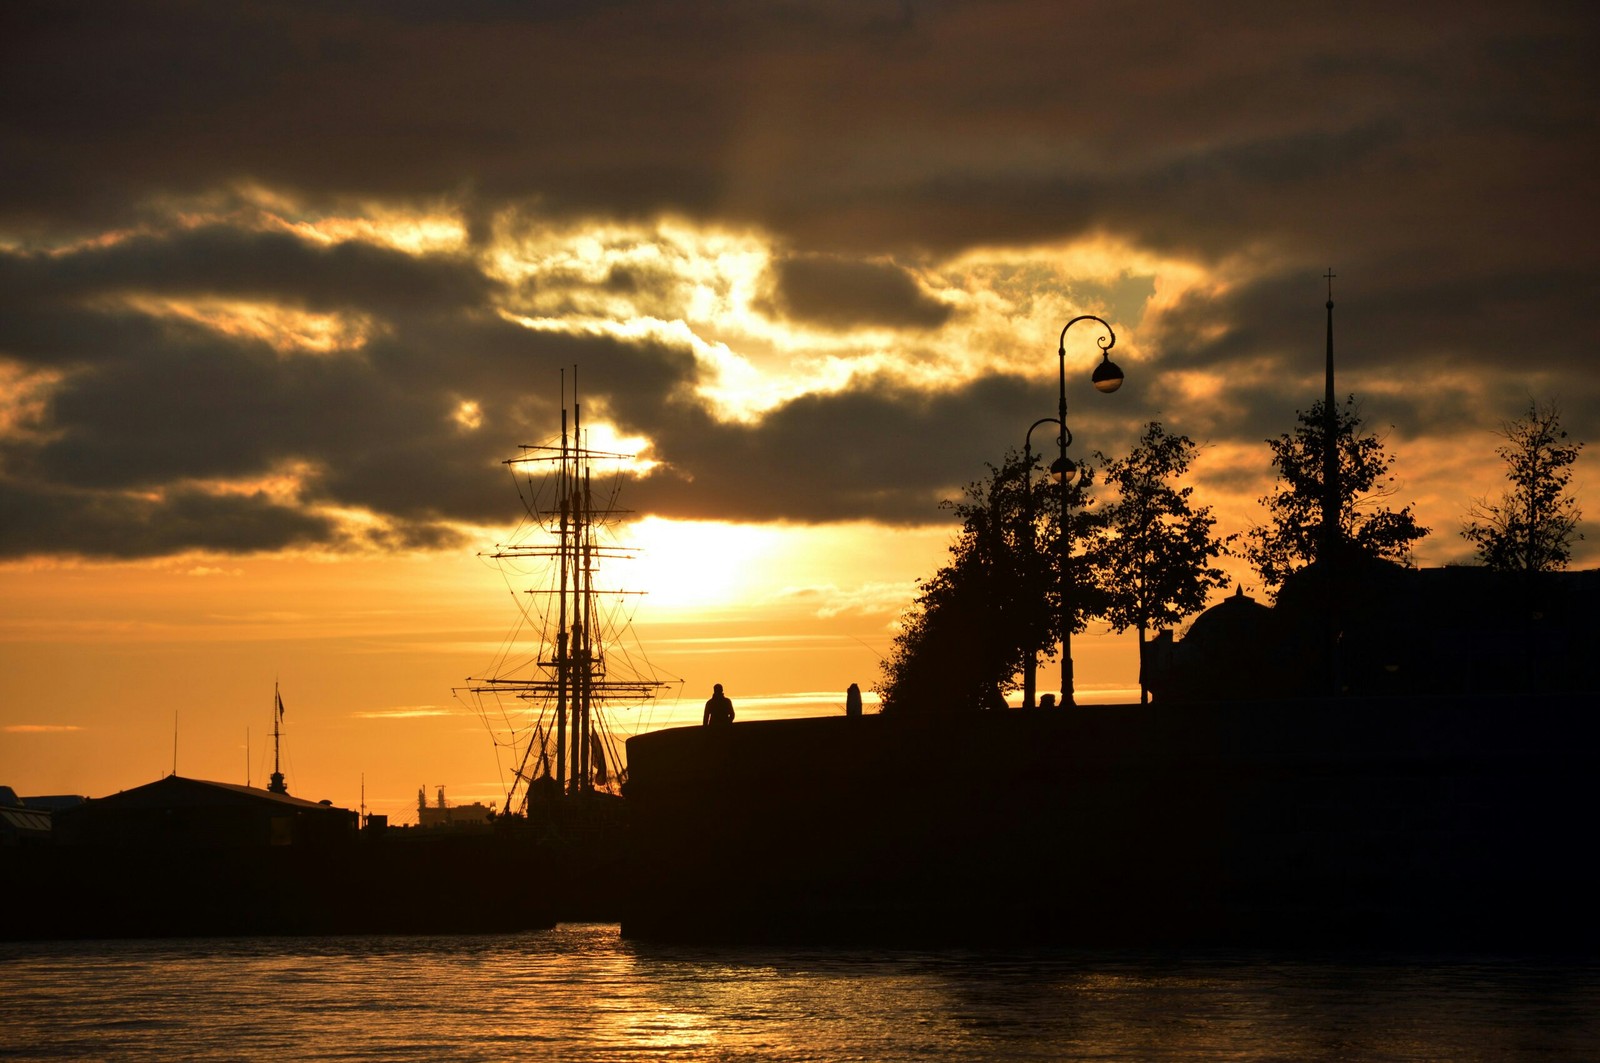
581	993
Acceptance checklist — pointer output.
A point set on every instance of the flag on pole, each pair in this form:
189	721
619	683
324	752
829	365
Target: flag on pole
279	699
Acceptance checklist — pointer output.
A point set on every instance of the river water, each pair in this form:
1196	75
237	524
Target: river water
579	992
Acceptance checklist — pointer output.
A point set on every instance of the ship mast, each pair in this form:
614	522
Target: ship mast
563	664
574	682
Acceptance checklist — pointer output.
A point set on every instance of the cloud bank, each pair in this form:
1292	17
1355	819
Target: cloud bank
283	277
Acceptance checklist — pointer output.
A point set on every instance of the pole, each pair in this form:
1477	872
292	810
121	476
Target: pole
1328	552
1067	693
1107	377
276	783
1030	665
1330	447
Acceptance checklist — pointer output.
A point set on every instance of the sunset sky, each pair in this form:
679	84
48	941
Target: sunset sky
281	287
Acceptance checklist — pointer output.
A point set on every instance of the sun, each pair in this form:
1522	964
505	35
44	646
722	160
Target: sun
694	565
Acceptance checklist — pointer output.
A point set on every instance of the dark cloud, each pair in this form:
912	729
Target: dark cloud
840	293
1439	157
877	451
148	408
1408	333
121	525
229	262
377	428
881	128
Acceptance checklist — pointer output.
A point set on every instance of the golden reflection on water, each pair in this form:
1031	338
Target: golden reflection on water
580	993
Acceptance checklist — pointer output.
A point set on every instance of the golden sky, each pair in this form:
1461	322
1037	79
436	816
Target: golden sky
280	289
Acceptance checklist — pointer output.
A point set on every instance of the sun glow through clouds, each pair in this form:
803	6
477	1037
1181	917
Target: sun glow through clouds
687	565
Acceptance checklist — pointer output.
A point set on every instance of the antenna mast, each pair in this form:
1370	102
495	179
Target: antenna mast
276	785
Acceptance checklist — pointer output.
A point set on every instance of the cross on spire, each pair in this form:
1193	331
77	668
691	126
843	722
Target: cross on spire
1330	275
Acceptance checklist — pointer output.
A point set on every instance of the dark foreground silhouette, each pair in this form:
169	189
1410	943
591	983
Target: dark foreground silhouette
185	857
1459	823
1455	823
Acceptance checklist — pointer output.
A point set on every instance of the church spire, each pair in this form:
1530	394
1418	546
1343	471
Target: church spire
1330	448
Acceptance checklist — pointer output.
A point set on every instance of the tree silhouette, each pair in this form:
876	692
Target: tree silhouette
1289	540
963	642
1533	526
1153	549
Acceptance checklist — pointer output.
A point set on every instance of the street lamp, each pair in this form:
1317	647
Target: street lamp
1107	378
1030	662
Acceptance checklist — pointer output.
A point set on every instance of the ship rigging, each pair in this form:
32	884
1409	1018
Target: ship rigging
581	665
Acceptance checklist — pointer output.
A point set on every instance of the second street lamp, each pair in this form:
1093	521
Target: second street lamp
1107	378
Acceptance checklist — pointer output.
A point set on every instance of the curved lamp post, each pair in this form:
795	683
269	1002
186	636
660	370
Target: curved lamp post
1030	663
1107	378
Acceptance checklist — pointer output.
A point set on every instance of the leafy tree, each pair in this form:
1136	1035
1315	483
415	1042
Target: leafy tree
1153	551
973	623
1290	538
1533	526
